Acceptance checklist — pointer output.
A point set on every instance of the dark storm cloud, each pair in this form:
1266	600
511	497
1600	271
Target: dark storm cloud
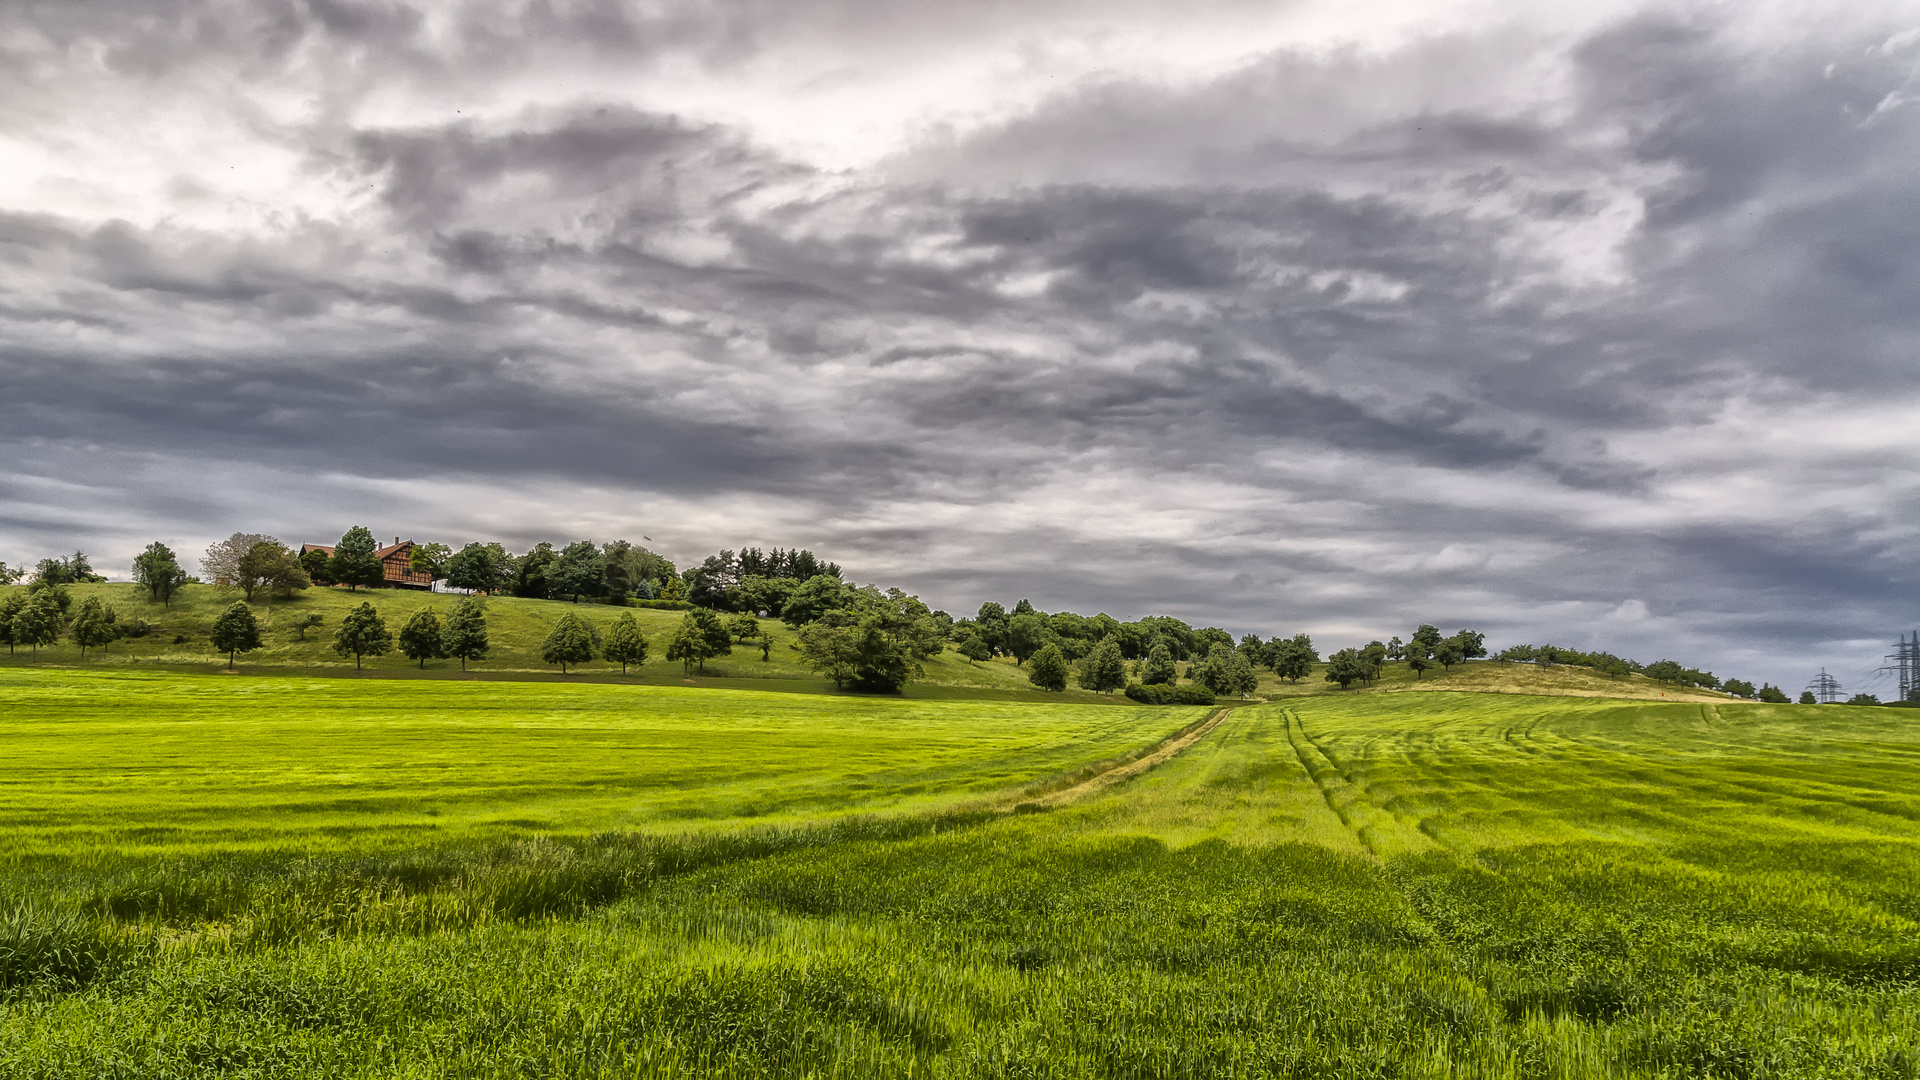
1260	349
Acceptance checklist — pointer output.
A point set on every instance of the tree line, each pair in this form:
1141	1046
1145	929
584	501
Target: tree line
861	637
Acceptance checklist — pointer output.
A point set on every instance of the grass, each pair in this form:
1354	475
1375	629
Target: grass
516	628
1402	884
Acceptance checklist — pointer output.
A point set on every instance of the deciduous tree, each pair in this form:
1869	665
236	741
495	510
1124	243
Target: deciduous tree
1346	667
92	626
579	570
37	622
353	564
1027	634
1104	669
159	572
235	631
362	633
1048	669
466	634
625	643
420	638
1158	668
431	560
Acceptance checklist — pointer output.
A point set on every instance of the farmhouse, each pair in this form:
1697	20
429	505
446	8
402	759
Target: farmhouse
396	564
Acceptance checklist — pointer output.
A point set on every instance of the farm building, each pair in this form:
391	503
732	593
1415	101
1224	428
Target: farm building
396	564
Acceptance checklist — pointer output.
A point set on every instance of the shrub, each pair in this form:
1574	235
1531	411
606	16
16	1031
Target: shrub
1162	694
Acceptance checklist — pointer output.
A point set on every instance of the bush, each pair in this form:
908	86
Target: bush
662	605
1162	694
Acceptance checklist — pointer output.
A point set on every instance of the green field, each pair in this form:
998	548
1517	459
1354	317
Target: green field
262	877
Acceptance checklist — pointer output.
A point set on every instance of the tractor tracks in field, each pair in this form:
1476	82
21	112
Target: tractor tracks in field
1123	771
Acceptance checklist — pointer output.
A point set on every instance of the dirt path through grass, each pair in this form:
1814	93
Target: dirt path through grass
1128	770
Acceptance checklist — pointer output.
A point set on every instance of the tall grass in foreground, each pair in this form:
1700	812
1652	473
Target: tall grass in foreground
1453	889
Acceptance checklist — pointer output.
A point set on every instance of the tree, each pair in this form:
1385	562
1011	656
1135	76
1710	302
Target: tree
92	626
1346	667
314	562
1027	634
974	648
1294	658
221	565
1864	699
1210	670
814	598
1375	654
1425	640
272	566
1773	694
1104	669
1807	698
625	643
1667	671
420	638
1450	652
159	572
429	559
480	568
1739	688
579	570
830	649
235	631
353	564
1048	669
1417	663
37	622
743	627
1158	667
1473	643
10	606
11	574
1396	649
699	637
991	624
466	634
570	642
311	620
1241	679
362	633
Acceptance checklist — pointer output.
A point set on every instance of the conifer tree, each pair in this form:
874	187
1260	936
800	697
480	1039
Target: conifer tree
235	631
570	642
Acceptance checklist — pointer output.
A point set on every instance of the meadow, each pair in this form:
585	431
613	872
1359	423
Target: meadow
210	876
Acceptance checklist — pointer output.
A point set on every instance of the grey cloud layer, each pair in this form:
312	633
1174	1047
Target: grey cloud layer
1339	340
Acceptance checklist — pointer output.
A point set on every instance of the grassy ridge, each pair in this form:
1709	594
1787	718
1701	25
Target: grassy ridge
518	626
1380	885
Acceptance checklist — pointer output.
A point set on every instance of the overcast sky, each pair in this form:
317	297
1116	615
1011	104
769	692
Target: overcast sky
1588	323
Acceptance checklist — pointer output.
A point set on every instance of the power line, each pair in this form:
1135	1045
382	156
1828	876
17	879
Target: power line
1825	688
1903	663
